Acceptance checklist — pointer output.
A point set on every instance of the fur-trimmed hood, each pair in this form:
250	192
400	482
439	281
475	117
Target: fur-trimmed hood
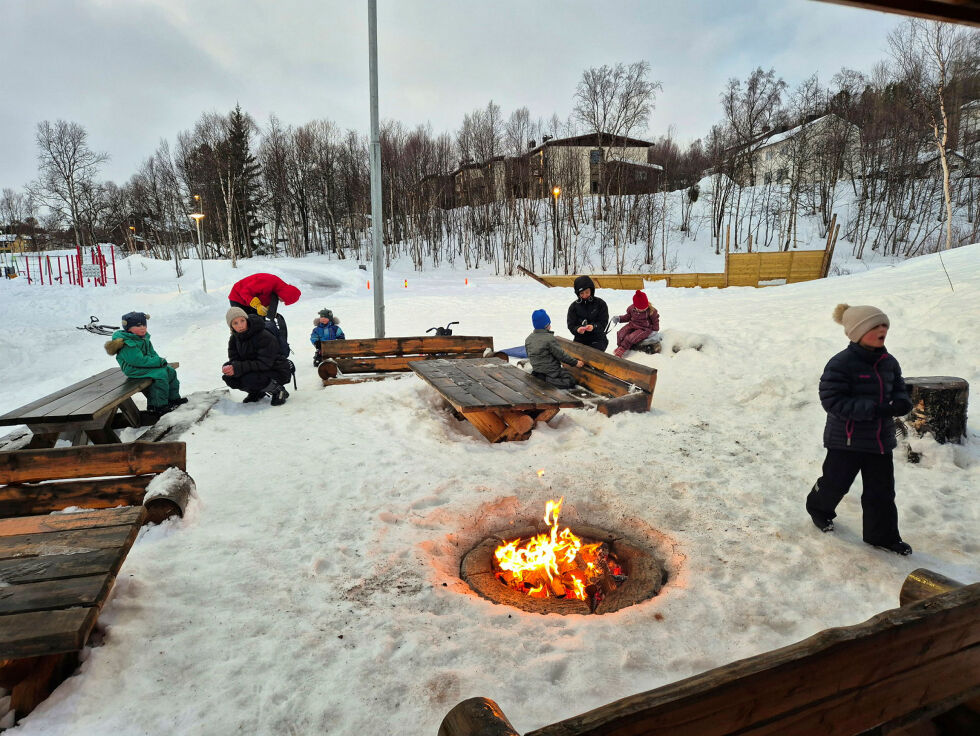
119	340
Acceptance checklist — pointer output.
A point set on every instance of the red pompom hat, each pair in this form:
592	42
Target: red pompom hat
640	300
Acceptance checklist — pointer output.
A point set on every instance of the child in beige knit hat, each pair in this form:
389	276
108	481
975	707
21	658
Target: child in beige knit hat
861	390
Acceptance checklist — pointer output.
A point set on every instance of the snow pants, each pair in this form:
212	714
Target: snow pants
164	389
629	336
564	379
840	468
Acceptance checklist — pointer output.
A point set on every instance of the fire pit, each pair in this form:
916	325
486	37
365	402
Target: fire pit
567	571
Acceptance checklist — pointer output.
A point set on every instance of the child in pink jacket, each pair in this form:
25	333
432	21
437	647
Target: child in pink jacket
641	320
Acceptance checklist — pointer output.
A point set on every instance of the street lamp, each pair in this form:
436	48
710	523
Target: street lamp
556	192
200	246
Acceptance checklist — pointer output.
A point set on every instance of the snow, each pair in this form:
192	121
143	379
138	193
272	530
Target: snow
313	585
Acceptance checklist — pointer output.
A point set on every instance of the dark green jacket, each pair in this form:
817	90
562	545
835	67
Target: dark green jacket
136	355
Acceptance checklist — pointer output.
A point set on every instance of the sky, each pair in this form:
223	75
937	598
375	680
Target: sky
135	72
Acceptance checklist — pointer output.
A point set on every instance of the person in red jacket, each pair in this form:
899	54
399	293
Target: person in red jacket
641	320
261	293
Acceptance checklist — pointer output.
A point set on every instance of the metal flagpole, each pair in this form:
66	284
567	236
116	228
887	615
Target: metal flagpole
377	215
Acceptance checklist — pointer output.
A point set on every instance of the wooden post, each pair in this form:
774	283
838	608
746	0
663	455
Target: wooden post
828	248
728	237
476	717
938	406
923	583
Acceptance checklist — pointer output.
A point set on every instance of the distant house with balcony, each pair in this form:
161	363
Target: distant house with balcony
592	164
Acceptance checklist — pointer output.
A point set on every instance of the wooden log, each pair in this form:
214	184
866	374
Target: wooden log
327	370
45	675
168	495
132	458
476	717
377	347
922	583
938	407
104	493
637	402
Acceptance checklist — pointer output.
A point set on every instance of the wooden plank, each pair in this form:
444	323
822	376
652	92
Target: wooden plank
847	680
533	276
14	417
49	595
475	394
476	716
552	396
488	377
638	402
57	567
397	363
102	493
110	400
629	372
45	632
395	346
51	543
62	522
132	458
89	401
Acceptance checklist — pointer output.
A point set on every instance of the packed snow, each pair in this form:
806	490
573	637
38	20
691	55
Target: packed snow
313	585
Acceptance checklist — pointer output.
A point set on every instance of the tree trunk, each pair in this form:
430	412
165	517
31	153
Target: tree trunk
938	407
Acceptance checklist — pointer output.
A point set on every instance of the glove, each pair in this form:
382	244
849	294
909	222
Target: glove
164	363
885	410
615	320
901	407
258	307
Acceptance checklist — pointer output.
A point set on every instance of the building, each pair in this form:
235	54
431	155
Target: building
591	164
15	243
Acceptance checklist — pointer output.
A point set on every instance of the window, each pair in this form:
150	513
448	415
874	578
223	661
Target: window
595	156
595	187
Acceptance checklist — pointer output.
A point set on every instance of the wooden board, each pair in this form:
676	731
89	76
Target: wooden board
132	458
839	682
626	371
391	363
19	499
62	522
45	632
83	401
398	346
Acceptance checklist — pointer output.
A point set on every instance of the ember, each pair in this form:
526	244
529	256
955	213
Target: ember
558	564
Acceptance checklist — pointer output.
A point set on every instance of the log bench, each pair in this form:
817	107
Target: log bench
619	384
902	667
500	400
354	361
88	410
57	573
149	474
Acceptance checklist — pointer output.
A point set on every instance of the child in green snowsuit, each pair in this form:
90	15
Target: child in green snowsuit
135	354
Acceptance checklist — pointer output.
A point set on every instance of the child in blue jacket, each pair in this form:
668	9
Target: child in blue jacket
325	327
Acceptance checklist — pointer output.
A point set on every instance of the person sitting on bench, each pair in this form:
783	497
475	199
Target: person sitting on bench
588	315
641	321
546	355
134	352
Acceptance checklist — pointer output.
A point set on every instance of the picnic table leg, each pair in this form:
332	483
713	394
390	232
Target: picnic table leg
546	415
104	435
130	413
507	425
42	439
44	675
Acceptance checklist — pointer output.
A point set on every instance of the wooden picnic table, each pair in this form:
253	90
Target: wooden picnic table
85	410
500	400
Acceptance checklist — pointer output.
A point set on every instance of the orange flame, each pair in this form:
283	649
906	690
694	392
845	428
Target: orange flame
541	472
555	564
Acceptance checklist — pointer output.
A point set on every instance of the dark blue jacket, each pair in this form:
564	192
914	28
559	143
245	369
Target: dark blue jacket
322	333
861	390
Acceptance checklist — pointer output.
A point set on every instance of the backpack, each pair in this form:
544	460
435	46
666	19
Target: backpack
277	326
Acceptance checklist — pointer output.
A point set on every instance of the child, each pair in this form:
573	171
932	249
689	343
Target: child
325	327
546	355
641	319
588	315
135	354
861	389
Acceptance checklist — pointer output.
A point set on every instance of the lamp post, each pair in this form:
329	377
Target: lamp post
198	216
556	192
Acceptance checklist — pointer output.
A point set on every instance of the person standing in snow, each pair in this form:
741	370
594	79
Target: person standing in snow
325	327
546	355
641	319
261	294
134	352
861	390
588	315
255	364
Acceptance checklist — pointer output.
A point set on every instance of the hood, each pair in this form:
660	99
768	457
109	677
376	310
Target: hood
255	325
584	282
120	338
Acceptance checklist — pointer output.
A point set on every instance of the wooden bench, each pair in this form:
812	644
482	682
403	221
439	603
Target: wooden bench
620	384
58	571
920	661
96	477
87	410
500	400
373	359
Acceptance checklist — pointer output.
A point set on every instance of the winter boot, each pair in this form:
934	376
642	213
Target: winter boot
179	401
317	357
619	352
253	396
899	547
822	522
278	393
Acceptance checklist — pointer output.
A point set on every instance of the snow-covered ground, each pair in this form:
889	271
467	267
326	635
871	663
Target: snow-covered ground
313	586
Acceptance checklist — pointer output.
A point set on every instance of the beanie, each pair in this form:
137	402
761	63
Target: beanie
858	320
234	313
540	319
326	313
134	319
640	300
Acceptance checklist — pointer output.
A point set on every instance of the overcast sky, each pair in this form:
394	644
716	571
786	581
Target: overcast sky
133	72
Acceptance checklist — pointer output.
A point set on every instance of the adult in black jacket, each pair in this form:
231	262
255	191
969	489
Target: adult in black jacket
255	363
861	390
588	316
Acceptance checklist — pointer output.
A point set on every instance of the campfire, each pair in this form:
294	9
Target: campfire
558	564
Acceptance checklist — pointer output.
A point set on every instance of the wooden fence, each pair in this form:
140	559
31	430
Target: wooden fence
741	269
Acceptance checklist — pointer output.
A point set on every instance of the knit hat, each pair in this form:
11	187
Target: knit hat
858	320
640	300
326	313
234	313
540	319
134	319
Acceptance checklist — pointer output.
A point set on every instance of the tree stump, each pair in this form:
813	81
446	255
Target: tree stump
938	407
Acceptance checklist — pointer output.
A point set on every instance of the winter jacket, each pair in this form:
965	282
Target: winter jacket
263	286
545	353
641	319
592	311
861	390
257	349
322	333
136	355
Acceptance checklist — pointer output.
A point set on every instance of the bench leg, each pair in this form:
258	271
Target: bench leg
44	675
502	427
42	439
104	435
130	413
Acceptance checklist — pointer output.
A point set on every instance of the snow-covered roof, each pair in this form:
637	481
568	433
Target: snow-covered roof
644	164
787	134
